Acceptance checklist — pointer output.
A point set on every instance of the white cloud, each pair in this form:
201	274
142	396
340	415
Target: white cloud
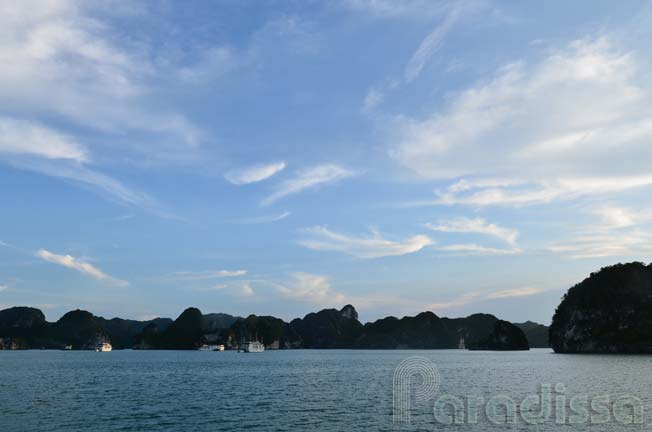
516	292
3	287
63	64
373	98
100	183
375	246
565	127
79	265
475	225
519	192
608	244
478	296
19	137
309	178
613	217
239	288
60	60
619	232
254	173
262	219
429	47
474	249
311	288
207	274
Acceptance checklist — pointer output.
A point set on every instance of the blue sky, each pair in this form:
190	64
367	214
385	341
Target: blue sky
282	157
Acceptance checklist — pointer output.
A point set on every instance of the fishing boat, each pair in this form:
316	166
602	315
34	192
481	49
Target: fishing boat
253	347
103	347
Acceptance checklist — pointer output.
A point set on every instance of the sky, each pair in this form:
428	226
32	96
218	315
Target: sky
280	157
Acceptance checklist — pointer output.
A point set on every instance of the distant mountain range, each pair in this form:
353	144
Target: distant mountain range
25	327
608	312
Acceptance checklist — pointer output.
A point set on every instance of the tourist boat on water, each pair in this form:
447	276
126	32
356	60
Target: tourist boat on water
253	347
103	347
211	348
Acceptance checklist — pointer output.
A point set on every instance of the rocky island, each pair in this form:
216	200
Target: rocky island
24	327
609	312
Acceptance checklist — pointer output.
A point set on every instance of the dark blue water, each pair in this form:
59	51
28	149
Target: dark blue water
287	390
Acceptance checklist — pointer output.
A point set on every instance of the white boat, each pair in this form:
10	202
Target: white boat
211	348
253	347
103	347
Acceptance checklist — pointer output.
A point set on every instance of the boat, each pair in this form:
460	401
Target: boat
461	344
211	348
103	347
68	348
253	347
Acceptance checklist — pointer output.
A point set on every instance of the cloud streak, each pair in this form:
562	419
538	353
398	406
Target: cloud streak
254	174
71	262
475	226
262	219
309	178
310	288
206	274
20	137
374	246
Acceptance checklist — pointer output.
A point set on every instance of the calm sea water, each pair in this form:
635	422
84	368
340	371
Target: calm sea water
333	390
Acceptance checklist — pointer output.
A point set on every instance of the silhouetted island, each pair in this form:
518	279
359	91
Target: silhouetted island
24	327
609	312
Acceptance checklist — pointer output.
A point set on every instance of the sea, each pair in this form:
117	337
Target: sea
323	390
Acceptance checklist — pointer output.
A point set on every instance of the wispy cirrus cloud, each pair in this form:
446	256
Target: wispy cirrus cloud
574	153
63	60
309	178
477	250
310	288
450	143
241	288
618	231
429	46
254	174
21	137
65	67
520	192
516	292
475	226
480	296
205	274
373	246
262	219
81	266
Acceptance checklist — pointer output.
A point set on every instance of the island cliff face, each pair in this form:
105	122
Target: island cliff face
329	328
609	312
504	336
